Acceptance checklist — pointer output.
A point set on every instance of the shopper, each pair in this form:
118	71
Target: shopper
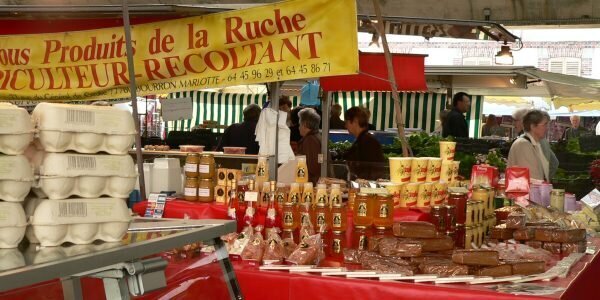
295	136
575	131
242	134
518	116
335	122
456	125
527	151
310	144
518	121
365	150
491	127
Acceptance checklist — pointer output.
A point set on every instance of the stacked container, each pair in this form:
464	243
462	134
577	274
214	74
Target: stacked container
85	174
16	173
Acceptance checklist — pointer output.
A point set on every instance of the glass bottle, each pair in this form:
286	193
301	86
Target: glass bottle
301	169
233	207
383	212
271	217
264	196
251	208
289	216
335	195
308	193
362	212
294	195
321	217
280	195
338	244
262	171
242	187
339	216
321	196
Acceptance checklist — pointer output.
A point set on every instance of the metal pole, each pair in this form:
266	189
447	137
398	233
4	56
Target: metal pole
392	78
273	163
132	90
326	106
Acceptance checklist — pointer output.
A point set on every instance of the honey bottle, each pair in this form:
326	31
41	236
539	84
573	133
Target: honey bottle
271	217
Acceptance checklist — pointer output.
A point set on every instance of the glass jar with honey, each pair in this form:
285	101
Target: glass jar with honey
206	167
206	190
363	215
301	169
321	196
190	192
191	165
339	216
383	212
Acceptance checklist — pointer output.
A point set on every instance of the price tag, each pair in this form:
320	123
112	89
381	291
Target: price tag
248	168
374	190
251	196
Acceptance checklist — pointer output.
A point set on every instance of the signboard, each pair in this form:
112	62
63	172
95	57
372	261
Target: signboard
177	109
276	42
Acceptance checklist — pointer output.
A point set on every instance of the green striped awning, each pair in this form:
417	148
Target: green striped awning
225	108
474	116
420	109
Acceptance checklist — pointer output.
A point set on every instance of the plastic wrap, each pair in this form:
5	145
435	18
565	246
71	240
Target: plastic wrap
544	234
373	243
551	247
476	257
386	266
437	244
568	248
352	256
241	241
568	235
526	267
289	246
399	248
523	252
524	234
516	220
274	248
500	232
534	244
494	271
308	252
255	248
444	269
414	230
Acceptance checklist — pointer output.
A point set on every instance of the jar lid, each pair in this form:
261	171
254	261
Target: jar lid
360	227
207	155
381	228
451	206
337	232
438	207
193	154
457	193
384	195
206	179
362	195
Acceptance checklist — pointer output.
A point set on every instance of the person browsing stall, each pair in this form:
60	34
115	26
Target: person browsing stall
527	150
366	148
456	123
518	116
310	144
242	134
575	131
335	122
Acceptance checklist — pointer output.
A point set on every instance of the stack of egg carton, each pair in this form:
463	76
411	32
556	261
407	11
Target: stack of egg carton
16	178
84	174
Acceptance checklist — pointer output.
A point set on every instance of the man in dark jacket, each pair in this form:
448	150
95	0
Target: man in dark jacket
366	149
456	124
242	134
335	122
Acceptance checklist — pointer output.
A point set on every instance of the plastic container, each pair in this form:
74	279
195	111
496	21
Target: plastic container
83	128
16	129
234	150
80	221
89	176
16	178
12	224
166	175
191	148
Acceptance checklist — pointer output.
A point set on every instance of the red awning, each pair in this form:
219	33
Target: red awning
408	68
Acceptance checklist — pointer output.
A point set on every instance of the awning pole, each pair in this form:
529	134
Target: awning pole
326	107
274	163
132	89
406	151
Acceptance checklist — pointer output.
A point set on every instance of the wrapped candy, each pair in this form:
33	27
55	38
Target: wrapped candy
415	229
476	257
399	248
288	246
444	269
255	248
308	252
274	248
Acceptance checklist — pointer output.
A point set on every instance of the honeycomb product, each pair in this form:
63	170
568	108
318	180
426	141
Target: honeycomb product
89	176
476	257
568	235
495	271
16	178
524	234
444	269
437	244
12	224
16	129
83	128
80	221
526	267
399	248
414	229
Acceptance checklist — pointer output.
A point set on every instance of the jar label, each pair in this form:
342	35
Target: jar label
308	198
280	198
192	168
271	214
288	218
320	219
260	171
335	200
384	210
362	209
301	173
190	192
336	246
322	199
337	220
305	218
294	198
204	169
204	192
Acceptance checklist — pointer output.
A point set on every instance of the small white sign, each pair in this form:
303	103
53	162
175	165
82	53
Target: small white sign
374	190
177	109
251	196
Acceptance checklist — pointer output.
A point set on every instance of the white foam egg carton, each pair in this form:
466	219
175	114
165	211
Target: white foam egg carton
83	128
79	221
62	175
16	129
16	177
12	224
11	259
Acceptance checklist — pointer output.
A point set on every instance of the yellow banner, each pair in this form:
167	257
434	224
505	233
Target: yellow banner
283	41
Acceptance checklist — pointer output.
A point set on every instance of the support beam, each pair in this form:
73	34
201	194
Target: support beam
326	107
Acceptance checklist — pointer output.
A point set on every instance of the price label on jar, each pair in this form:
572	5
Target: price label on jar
190	192
192	168
203	192
205	169
251	196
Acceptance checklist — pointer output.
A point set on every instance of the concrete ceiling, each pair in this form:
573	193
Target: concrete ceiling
507	12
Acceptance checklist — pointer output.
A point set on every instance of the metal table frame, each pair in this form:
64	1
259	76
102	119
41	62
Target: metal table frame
97	264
